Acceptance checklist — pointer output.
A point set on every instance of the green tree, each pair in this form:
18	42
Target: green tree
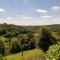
46	39
31	40
2	47
15	45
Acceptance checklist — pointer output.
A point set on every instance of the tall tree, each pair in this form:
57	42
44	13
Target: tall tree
46	39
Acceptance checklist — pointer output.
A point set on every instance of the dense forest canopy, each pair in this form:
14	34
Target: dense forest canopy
14	39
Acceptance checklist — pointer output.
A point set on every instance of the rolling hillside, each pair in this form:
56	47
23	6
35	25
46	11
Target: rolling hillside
35	54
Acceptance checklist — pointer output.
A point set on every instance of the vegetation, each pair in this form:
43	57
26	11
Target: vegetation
46	39
54	52
35	54
24	41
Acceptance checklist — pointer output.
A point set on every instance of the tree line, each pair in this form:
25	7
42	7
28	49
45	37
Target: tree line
14	39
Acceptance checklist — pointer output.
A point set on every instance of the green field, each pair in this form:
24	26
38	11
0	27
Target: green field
35	54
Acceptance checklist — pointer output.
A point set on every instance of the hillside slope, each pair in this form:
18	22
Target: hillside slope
35	54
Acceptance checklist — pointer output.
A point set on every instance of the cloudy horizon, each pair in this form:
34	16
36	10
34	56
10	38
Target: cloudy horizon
30	12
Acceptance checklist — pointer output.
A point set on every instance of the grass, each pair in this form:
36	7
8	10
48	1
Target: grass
35	54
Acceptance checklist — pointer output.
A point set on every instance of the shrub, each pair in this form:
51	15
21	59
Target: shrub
54	52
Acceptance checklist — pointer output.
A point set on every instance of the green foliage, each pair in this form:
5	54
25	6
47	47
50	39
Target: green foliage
15	45
46	39
54	52
14	39
2	48
31	40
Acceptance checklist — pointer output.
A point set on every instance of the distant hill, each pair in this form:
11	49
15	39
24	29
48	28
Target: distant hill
53	27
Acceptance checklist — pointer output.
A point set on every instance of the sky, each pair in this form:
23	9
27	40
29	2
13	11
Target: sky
30	12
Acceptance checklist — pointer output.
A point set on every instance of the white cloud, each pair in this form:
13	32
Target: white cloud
2	10
46	16
55	8
41	11
28	20
8	18
26	17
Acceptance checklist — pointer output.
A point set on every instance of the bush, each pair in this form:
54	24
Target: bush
54	52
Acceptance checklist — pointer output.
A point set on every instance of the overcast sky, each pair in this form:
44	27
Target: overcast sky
30	12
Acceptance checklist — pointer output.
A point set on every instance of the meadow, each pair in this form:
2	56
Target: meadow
35	54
